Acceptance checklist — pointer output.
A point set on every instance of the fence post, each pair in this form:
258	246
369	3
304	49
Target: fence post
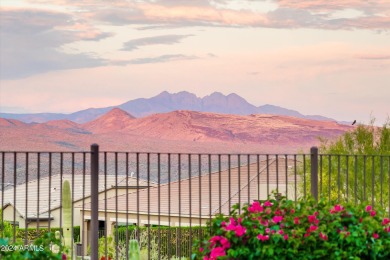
314	172
94	200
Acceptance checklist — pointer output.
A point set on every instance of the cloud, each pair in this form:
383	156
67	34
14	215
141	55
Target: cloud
32	41
290	14
164	39
331	5
374	57
162	58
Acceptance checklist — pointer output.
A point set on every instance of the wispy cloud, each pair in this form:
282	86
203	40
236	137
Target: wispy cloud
156	40
321	14
374	57
34	38
162	58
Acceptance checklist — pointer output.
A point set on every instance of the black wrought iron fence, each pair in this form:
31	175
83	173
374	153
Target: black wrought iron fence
165	200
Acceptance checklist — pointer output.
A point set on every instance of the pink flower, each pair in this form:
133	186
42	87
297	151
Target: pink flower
224	242
311	218
323	236
264	222
278	212
316	213
277	219
63	256
368	208
292	211
256	207
206	257
267	230
313	228
307	234
268	204
296	220
240	230
262	238
201	249
285	237
385	221
232	225
316	222
280	232
217	252
375	235
373	213
338	208
213	241
268	211
387	229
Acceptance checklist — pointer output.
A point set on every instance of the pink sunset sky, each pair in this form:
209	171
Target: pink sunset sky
326	57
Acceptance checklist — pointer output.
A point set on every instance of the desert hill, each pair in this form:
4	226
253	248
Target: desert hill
177	131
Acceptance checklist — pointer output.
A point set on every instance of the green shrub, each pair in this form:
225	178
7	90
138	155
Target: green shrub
281	229
33	233
42	248
173	240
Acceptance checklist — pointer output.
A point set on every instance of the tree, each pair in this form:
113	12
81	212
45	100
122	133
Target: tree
356	166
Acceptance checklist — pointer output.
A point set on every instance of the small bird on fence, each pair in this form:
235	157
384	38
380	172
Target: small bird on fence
354	122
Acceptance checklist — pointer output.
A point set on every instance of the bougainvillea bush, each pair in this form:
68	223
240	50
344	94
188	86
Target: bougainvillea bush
284	229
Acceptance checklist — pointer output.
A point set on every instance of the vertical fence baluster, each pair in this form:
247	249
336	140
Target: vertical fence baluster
239	182
105	207
72	201
127	205
286	172
314	172
179	236
338	178
249	179
94	200
148	174
169	206
295	178
159	209
364	177
38	189
2	191
14	208
347	176
230	181
355	171
329	175
138	176
267	159
190	202
304	176
381	181
372	181
321	176
258	177
277	172
26	225
200	236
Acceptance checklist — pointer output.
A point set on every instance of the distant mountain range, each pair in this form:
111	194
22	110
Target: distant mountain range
166	102
177	131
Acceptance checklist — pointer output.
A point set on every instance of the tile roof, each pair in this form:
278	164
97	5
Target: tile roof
198	196
82	188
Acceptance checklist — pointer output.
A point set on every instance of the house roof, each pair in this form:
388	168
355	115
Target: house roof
82	188
198	196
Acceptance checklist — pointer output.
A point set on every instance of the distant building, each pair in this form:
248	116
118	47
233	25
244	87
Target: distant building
26	210
193	201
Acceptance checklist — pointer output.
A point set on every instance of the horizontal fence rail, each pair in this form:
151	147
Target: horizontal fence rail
165	200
